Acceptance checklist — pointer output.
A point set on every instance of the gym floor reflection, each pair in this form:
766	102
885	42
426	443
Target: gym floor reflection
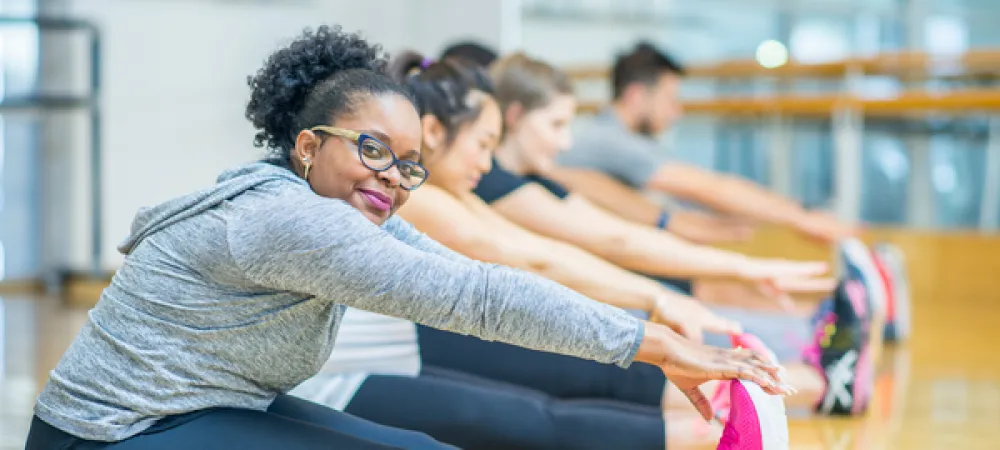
941	390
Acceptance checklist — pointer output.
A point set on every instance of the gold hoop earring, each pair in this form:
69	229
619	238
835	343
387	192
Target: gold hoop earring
308	165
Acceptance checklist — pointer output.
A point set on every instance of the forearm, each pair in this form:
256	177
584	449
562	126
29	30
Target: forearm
726	193
744	198
659	253
599	279
532	312
630	206
610	195
702	228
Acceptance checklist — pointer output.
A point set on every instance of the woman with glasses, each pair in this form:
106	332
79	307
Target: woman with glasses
231	296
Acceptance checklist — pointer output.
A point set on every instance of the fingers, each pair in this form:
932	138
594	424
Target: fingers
766	381
700	402
750	365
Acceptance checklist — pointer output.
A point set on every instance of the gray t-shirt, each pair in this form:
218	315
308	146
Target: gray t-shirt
604	144
234	294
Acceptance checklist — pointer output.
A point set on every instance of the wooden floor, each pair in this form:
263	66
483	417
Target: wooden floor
940	391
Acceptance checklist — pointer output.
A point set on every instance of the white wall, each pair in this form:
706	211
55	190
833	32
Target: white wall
175	89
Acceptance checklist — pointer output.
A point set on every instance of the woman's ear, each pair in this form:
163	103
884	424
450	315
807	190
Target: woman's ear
512	116
307	144
435	134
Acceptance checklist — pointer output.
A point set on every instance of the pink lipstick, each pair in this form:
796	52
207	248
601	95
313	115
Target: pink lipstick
377	199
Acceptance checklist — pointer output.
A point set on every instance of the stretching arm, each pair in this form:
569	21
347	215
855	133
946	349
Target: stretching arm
740	197
625	202
632	246
326	249
472	232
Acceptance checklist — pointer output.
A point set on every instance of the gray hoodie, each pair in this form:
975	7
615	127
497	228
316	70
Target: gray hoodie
232	295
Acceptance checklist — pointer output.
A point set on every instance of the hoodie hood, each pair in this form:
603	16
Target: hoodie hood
230	183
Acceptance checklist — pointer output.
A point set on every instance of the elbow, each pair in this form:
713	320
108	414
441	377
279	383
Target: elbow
540	266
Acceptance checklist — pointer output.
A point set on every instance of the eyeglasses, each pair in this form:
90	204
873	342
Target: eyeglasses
378	157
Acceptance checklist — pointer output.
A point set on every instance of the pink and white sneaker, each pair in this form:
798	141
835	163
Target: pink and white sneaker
754	419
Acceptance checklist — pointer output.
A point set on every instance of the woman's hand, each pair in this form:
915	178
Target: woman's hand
777	278
689	317
689	364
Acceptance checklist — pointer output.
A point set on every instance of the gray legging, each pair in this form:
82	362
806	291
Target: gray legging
479	414
289	423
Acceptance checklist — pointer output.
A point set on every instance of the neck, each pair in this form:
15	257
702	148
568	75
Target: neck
507	154
626	116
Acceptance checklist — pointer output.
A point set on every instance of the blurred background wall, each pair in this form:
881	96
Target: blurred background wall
173	87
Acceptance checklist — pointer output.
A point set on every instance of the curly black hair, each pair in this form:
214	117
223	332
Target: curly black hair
320	76
442	88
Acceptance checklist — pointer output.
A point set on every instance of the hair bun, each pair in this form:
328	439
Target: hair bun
407	64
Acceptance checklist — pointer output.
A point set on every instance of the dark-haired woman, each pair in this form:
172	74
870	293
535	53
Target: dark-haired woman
231	296
538	107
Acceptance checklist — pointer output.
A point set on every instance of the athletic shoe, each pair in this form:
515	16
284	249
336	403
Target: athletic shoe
890	297
753	418
720	399
857	264
893	264
841	352
756	421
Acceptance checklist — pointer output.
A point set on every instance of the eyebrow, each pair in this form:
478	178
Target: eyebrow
413	153
379	135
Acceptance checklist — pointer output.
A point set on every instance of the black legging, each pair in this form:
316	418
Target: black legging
478	414
290	423
557	375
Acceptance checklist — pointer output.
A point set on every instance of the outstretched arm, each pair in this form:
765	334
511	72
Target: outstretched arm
325	248
733	195
625	202
635	247
489	238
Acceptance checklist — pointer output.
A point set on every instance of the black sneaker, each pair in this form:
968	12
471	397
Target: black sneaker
841	351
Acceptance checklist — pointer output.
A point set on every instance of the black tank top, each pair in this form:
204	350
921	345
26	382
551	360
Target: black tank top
499	182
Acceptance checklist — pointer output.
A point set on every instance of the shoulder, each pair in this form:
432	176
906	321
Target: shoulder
430	202
293	216
553	186
498	183
443	217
